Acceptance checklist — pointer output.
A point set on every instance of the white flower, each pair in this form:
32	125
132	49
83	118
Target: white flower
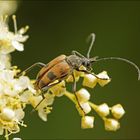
7	80
23	83
117	111
89	80
12	86
111	124
105	80
26	96
103	110
42	108
7	114
10	41
7	75
87	122
86	107
11	102
83	95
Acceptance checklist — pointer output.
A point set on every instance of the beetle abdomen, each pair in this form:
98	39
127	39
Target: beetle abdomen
59	71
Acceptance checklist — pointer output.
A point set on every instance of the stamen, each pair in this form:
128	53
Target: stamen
15	23
23	30
26	28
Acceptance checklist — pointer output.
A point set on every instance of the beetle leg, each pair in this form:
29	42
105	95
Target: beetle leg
74	91
44	90
78	54
31	67
87	72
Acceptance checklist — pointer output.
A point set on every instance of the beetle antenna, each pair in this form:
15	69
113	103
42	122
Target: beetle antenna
119	58
92	36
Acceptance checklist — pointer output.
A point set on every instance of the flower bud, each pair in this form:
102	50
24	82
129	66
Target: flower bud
86	107
117	111
87	122
111	124
103	82
89	81
83	95
103	110
7	114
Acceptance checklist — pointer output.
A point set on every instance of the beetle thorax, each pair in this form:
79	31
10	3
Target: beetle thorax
74	61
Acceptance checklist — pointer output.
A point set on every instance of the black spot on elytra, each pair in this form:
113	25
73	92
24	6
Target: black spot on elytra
51	75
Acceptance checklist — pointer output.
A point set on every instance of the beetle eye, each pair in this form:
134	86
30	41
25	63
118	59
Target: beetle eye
88	64
83	63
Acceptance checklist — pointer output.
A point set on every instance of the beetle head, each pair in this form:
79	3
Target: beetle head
74	60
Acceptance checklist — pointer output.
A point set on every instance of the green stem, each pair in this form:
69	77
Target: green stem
70	96
94	106
6	134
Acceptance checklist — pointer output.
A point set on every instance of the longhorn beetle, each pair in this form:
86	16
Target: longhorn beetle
63	66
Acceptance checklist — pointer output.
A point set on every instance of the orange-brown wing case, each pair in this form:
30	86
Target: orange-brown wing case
58	71
50	65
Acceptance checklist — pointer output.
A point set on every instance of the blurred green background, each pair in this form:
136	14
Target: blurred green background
58	27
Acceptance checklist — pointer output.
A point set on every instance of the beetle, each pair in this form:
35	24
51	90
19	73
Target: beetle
63	66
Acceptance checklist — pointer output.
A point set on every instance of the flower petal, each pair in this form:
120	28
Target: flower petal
42	114
18	46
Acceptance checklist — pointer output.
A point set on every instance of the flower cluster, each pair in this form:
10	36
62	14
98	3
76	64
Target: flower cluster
103	110
17	91
11	87
11	104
